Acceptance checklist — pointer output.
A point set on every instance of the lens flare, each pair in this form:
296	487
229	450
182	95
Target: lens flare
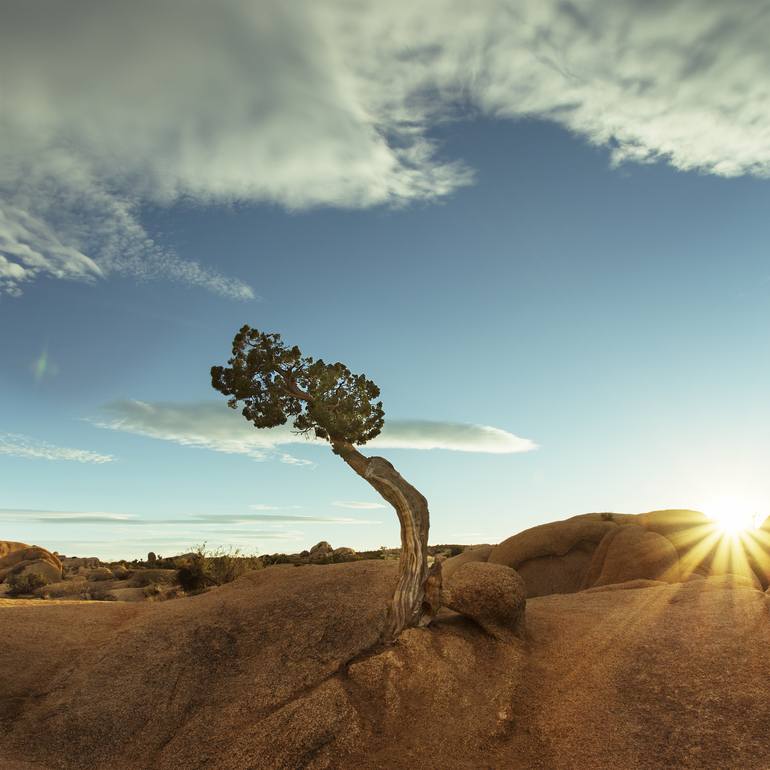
733	516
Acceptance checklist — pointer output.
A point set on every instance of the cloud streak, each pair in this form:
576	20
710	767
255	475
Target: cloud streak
64	517
18	445
212	425
357	505
103	517
109	107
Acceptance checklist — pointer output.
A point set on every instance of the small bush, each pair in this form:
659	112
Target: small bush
192	574
205	568
21	584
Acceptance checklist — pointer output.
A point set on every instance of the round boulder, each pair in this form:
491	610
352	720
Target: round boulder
631	552
44	569
492	595
320	551
343	554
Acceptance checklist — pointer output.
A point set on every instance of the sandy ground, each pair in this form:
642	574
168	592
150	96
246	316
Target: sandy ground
281	670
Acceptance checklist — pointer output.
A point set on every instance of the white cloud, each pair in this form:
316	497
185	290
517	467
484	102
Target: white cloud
357	505
455	436
17	445
212	425
207	425
110	106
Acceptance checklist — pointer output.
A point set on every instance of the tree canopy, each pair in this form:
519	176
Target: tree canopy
277	383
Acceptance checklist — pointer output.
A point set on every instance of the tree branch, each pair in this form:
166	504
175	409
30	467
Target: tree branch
293	389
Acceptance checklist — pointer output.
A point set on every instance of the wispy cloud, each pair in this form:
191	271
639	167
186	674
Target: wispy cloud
212	425
64	517
109	518
455	436
109	106
265	507
246	518
357	505
18	445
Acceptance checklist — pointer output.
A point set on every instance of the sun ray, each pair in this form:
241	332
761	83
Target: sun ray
733	515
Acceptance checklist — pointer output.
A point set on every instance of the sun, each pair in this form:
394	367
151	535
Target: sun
733	515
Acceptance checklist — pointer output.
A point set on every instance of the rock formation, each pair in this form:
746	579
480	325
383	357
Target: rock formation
320	551
492	595
22	559
603	548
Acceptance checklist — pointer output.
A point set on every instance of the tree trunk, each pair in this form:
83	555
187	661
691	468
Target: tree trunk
406	607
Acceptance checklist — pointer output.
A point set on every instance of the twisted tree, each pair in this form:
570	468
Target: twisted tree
276	383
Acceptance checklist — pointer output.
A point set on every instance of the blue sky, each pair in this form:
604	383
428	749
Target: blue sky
563	288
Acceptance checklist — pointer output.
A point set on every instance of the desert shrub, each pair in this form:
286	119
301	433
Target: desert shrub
192	574
606	516
205	567
25	583
224	566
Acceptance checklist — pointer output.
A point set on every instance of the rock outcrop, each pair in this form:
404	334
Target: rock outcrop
320	552
76	563
604	548
553	558
343	554
282	669
630	552
22	559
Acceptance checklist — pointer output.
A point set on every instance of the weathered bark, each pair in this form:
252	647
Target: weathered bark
406	608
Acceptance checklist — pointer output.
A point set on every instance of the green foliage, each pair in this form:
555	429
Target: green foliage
277	383
22	584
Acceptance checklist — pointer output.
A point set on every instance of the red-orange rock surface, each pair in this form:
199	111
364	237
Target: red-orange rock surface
281	669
